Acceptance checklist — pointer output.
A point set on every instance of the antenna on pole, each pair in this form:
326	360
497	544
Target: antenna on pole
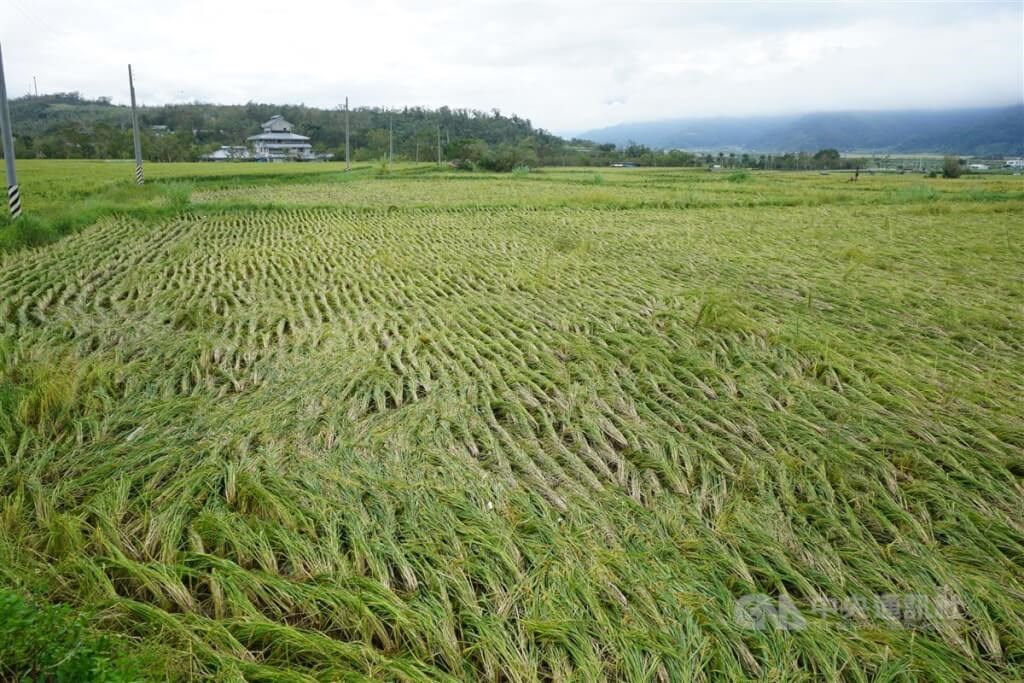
139	179
13	193
348	165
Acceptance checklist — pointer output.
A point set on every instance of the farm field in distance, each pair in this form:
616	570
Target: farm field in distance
282	423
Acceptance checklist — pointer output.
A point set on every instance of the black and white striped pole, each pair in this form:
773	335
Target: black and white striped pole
13	193
135	131
348	165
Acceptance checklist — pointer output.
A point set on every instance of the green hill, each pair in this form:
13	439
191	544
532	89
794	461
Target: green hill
66	125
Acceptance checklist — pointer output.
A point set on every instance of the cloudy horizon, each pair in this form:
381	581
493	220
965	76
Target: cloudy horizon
567	66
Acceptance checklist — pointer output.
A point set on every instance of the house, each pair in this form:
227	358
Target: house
277	142
229	153
1015	163
977	167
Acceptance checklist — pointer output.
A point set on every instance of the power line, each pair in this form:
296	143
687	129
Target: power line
44	26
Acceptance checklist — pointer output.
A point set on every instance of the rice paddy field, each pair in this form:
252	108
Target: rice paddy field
284	423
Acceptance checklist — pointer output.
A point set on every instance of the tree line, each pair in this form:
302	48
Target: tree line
69	126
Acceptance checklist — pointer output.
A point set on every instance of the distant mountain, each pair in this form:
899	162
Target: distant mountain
980	131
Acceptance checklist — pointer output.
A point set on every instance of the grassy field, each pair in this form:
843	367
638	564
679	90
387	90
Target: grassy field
272	422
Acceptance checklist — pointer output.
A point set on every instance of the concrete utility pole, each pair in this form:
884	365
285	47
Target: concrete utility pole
35	86
391	139
135	131
416	136
13	193
439	145
348	164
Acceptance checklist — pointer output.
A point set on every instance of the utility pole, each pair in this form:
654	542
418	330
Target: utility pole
391	139
13	194
135	131
348	164
439	145
416	136
35	86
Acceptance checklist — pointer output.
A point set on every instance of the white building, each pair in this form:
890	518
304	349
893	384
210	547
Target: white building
277	142
229	153
1015	163
977	167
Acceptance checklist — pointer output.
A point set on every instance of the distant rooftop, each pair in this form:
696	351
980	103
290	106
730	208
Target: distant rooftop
278	136
277	124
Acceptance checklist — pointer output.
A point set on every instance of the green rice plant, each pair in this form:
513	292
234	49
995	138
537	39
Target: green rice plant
917	193
179	195
444	426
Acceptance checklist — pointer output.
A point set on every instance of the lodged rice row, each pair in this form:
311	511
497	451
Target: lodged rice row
604	189
506	444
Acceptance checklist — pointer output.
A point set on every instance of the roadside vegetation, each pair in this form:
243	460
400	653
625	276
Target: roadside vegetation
265	422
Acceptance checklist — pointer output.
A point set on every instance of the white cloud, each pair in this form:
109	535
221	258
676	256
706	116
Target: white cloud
566	65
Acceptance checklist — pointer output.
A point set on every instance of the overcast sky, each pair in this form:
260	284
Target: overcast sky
568	66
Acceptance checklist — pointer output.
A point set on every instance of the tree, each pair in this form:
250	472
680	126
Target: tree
467	149
377	142
951	167
827	158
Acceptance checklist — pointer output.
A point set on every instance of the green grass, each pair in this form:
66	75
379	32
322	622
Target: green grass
284	423
49	643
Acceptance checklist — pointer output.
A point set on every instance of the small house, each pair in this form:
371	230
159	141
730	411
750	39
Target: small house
229	153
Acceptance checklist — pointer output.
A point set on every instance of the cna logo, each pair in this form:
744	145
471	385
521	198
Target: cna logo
760	612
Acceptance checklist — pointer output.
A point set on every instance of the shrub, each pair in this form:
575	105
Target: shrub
179	195
50	643
951	167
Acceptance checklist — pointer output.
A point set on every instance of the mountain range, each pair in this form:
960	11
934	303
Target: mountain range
984	131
